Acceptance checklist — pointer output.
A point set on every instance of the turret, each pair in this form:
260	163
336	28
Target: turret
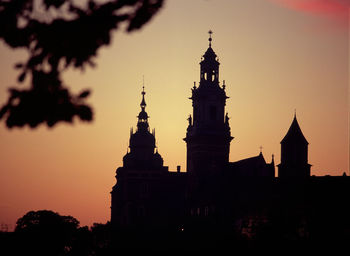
141	164
142	143
294	153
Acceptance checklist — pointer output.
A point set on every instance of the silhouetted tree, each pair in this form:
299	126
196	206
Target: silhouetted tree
46	233
102	239
59	34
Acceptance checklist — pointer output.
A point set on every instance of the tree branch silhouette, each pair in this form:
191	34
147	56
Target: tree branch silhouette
59	34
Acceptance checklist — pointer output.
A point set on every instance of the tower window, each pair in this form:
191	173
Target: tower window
213	76
212	112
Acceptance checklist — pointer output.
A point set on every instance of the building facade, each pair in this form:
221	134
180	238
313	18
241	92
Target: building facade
214	191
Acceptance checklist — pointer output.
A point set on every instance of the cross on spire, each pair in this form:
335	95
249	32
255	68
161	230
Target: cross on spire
210	39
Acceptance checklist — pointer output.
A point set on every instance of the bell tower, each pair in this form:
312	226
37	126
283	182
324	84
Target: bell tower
208	134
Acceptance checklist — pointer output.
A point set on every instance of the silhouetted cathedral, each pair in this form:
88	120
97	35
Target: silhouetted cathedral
214	192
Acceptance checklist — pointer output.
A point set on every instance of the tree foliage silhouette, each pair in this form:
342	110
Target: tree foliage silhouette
58	34
46	232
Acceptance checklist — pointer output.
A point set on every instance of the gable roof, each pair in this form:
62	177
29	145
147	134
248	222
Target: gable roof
251	162
252	167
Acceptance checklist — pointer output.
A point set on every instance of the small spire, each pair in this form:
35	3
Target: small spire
261	149
295	113
273	158
142	123
210	39
143	102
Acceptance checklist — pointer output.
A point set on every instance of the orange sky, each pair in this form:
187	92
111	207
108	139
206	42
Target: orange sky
274	59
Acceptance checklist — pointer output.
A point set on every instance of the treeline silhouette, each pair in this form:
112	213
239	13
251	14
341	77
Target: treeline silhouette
49	233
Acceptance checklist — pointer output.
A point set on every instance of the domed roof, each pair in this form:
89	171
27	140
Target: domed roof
157	159
142	139
143	115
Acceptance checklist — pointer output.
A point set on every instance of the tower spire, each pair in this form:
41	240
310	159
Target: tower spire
143	102
142	123
210	39
209	71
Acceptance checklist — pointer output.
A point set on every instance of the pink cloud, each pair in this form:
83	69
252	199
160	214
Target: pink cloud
334	9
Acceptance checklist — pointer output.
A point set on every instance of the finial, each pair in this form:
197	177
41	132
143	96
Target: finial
295	113
143	102
273	158
189	120
261	149
210	39
143	85
194	85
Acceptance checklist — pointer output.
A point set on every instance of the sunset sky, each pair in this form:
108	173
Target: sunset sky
276	56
